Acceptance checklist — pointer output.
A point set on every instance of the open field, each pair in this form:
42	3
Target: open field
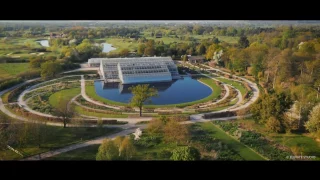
120	44
8	70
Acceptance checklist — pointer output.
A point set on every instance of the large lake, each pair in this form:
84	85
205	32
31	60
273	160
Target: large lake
44	43
175	92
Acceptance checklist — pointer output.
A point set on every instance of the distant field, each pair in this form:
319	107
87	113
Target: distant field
21	48
11	69
122	44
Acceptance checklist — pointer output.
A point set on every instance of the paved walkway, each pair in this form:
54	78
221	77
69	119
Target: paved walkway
98	140
84	95
238	105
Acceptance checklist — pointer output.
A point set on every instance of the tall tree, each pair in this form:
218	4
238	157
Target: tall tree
127	148
313	125
124	52
141	94
176	132
65	111
108	151
243	42
50	69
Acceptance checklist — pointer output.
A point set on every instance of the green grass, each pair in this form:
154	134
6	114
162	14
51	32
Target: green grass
82	111
67	94
237	85
58	137
307	145
120	44
90	91
85	153
219	134
5	97
8	70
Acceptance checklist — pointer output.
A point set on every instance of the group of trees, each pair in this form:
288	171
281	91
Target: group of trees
121	148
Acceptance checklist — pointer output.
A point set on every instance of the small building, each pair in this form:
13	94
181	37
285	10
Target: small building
195	59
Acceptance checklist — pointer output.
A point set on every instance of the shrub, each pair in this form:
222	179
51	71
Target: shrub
10	83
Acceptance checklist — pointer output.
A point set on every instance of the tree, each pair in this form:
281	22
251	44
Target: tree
149	51
176	132
118	142
201	49
127	148
108	151
313	125
124	52
185	154
35	62
141	48
142	94
65	111
273	124
185	59
50	69
155	126
271	105
243	42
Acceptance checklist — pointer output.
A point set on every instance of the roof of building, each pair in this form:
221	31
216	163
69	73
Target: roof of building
95	60
134	59
195	57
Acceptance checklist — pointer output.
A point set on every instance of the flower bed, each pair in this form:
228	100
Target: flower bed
254	140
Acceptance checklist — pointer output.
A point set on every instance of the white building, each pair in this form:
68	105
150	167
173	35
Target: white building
136	70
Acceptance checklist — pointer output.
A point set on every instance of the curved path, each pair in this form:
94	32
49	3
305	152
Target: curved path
194	118
238	105
98	140
84	95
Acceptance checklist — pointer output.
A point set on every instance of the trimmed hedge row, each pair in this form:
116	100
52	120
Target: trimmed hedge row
29	115
10	83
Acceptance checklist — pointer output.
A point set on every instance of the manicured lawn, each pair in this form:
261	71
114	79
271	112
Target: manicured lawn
237	85
90	91
11	69
82	111
243	151
65	94
85	153
58	137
